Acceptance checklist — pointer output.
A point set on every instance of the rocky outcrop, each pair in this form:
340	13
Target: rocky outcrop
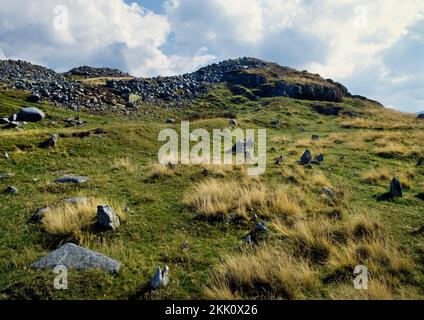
11	70
242	75
90	72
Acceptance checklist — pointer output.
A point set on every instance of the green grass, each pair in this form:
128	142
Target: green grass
158	222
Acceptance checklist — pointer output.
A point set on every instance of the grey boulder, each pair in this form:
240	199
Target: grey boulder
107	218
74	257
160	278
72	179
30	115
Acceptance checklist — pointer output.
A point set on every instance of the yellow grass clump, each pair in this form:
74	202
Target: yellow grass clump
125	164
215	199
264	273
67	219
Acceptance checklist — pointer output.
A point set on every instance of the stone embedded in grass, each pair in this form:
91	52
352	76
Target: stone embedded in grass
320	158
4	120
160	278
50	143
261	227
279	160
74	257
233	122
34	98
306	158
39	215
396	189
329	192
6	175
315	137
11	189
72	179
248	239
76	200
107	218
30	115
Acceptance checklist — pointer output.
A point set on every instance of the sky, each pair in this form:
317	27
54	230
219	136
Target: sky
374	47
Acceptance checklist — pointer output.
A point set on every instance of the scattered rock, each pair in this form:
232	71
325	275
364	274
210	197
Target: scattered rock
74	257
248	239
329	192
233	123
11	189
396	189
261	227
39	215
205	172
420	162
279	160
160	278
50	143
315	137
185	245
6	175
107	218
170	121
34	98
30	115
72	179
320	158
275	123
4	121
306	158
76	200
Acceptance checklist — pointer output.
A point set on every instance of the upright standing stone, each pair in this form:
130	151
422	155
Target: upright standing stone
107	218
396	189
306	158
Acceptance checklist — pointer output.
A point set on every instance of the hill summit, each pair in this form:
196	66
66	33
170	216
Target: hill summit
115	90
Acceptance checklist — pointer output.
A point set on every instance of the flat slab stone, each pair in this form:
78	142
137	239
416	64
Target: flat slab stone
72	179
74	257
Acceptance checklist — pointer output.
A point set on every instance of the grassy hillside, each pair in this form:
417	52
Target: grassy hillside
314	241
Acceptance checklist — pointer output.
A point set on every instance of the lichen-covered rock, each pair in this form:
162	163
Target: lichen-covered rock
74	257
107	218
72	179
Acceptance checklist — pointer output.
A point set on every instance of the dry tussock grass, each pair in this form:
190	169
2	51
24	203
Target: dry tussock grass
264	273
383	176
69	219
313	247
125	164
215	199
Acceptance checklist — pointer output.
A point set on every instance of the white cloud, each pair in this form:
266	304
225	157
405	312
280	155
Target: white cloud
344	40
362	44
99	32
